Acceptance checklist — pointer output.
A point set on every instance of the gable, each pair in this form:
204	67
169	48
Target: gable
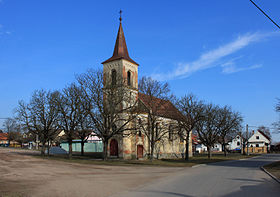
261	137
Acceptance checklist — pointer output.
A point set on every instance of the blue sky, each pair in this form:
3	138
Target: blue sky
225	52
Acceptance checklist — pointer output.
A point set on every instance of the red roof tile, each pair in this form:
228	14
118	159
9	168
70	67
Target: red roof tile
160	107
3	136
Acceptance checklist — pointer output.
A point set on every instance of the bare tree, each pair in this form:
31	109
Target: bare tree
229	123
277	124
192	110
207	128
11	126
265	130
84	127
110	105
156	96
69	104
244	140
39	116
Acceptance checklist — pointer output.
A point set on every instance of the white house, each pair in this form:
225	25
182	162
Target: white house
200	148
259	142
236	143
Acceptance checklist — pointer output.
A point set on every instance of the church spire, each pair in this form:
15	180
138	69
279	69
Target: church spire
120	50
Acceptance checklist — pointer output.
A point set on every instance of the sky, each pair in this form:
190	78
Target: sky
224	52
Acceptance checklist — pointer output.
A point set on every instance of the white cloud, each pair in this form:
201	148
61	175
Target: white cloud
231	68
212	58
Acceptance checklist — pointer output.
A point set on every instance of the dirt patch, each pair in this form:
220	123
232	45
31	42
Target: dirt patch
25	175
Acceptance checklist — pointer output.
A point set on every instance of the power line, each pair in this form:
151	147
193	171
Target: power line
265	14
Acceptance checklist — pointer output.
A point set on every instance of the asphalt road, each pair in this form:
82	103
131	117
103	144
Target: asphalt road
230	178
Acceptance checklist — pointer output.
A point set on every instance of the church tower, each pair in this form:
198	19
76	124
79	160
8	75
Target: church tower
121	71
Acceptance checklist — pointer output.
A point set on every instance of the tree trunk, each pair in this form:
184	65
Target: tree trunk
105	148
43	149
209	151
152	151
187	147
48	148
82	147
225	151
70	149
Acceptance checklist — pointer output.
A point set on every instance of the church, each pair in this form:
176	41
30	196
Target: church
136	146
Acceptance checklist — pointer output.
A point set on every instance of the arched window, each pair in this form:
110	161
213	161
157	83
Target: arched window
170	132
157	130
128	78
114	128
140	124
114	77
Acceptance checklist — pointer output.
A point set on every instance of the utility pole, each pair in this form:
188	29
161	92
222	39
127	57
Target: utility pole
247	136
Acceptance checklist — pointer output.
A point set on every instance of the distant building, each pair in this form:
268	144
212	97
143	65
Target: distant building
259	142
4	139
235	144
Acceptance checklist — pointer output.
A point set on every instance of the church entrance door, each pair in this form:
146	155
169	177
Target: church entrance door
139	151
113	148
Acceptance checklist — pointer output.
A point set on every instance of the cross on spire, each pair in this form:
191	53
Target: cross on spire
120	15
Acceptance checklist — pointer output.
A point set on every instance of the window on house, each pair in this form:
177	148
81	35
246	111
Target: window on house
170	132
238	143
156	130
128	78
257	137
114	77
140	123
257	145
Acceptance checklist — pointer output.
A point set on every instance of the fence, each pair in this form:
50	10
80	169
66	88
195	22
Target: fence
92	146
256	150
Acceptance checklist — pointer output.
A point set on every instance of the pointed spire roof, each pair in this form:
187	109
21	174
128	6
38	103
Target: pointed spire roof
120	51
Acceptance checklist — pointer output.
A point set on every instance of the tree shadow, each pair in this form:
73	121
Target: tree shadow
249	163
262	189
165	193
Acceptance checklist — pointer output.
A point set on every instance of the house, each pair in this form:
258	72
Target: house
121	66
259	142
4	139
235	144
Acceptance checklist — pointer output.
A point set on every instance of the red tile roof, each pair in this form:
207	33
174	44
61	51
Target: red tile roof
120	51
3	136
160	107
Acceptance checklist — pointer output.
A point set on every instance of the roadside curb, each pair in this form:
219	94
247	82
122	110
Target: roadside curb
198	165
272	176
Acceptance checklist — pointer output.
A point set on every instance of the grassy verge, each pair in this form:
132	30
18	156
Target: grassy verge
201	159
274	168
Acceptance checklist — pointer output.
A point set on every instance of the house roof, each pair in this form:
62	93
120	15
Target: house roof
160	107
120	50
266	136
3	136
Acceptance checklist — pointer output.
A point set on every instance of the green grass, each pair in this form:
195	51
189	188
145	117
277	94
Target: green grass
274	168
200	159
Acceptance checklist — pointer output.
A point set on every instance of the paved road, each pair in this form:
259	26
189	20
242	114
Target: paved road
230	178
